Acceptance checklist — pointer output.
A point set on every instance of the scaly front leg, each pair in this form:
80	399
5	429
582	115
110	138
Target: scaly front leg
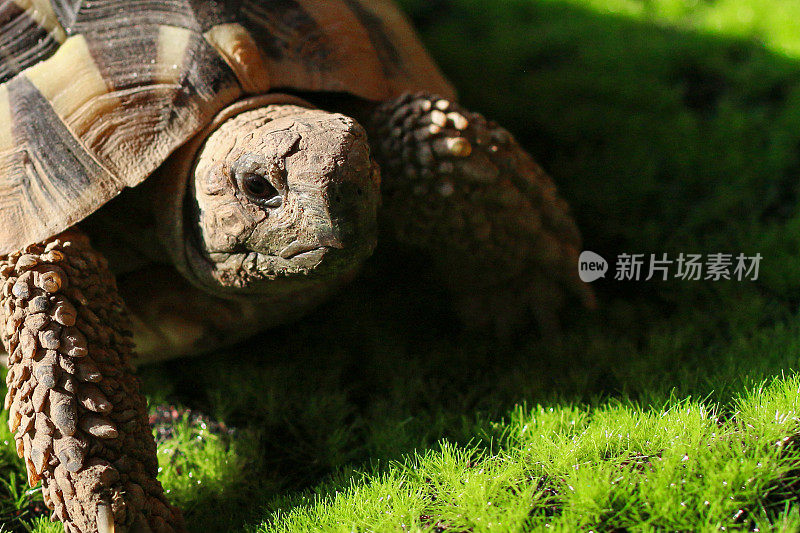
461	189
80	422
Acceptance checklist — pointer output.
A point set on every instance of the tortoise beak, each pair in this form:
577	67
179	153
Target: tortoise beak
296	247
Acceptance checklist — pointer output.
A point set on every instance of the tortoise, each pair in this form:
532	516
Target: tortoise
176	176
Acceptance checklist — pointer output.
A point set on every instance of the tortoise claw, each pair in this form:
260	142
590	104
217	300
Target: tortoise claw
105	519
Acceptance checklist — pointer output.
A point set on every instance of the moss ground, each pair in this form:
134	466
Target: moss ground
671	126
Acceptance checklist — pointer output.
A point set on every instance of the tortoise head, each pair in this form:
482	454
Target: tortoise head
278	195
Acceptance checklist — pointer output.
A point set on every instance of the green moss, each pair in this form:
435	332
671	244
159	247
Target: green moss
568	468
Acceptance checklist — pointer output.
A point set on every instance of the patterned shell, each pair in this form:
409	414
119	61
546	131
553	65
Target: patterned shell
96	94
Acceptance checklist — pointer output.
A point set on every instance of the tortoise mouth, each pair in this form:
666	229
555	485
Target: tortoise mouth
311	254
250	272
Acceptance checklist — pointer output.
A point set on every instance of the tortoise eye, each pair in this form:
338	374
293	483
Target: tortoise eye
260	190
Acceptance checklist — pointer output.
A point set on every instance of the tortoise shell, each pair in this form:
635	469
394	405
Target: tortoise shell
95	95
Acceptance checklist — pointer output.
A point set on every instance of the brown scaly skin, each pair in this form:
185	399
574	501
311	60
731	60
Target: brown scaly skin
461	189
79	420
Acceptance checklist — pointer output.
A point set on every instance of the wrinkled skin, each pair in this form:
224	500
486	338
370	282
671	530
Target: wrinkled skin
275	195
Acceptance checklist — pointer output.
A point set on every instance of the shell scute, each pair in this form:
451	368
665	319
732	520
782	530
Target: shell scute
114	87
